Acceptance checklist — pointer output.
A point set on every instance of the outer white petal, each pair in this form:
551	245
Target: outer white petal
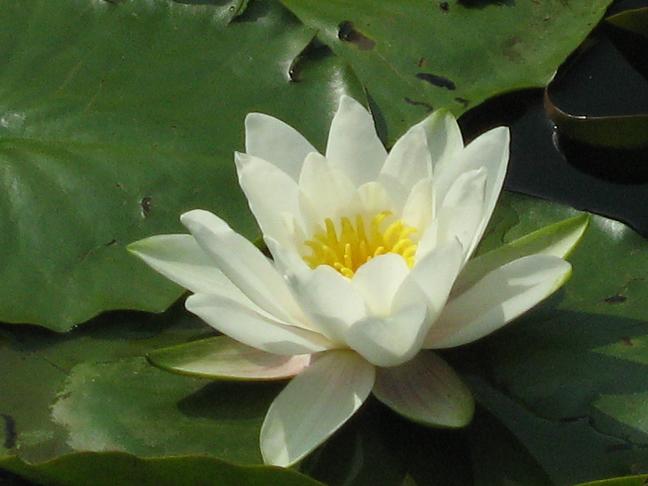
378	280
314	405
254	329
353	145
329	191
409	160
495	300
223	358
426	390
243	264
466	199
490	151
390	340
280	144
180	259
270	194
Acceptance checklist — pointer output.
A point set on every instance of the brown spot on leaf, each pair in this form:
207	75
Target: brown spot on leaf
437	80
146	205
444	6
10	431
616	299
427	106
626	341
509	49
348	33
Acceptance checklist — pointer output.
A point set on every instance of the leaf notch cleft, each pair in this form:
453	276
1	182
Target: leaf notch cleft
348	33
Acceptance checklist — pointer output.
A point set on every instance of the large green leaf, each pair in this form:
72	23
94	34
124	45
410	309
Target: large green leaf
111	468
556	379
560	378
115	118
418	55
92	391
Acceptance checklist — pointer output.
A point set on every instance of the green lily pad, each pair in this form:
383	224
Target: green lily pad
92	391
624	481
548	378
110	468
563	365
417	56
117	117
628	132
634	20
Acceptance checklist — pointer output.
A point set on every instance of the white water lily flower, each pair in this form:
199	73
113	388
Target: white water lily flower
370	269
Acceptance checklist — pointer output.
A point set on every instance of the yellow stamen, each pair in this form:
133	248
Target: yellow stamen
347	246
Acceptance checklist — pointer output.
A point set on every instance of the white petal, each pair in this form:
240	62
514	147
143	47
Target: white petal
353	145
314	405
180	259
378	280
254	329
490	151
223	358
459	216
280	144
432	279
495	300
426	390
390	340
329	300
418	210
374	198
409	160
396	192
444	139
467	201
243	264
557	239
330	193
270	194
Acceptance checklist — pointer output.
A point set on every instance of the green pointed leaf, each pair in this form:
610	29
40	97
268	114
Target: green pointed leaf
117	117
222	358
417	56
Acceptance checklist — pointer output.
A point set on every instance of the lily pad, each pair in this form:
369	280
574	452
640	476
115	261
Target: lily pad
551	378
117	117
89	400
124	469
561	365
417	56
634	20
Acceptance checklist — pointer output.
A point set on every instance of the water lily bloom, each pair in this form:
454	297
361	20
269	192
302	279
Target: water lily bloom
371	271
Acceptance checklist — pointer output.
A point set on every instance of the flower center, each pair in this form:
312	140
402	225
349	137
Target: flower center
353	243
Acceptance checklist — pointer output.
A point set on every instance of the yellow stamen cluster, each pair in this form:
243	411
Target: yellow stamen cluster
353	243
